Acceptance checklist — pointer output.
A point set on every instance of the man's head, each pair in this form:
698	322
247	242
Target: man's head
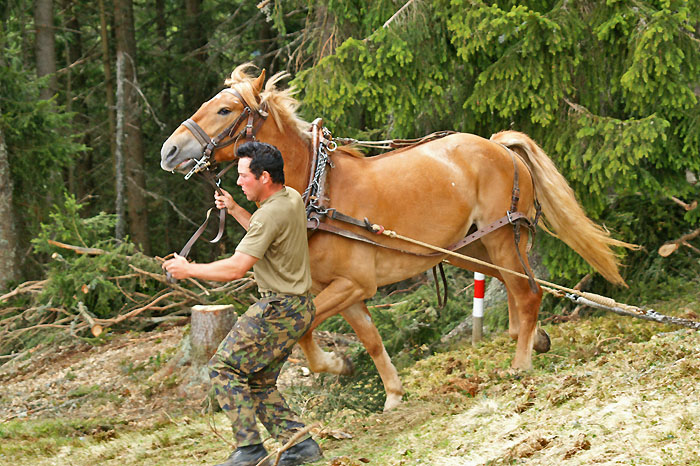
260	170
263	158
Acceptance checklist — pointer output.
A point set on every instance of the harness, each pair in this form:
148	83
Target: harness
315	202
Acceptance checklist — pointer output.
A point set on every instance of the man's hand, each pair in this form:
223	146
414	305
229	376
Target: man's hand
224	201
178	267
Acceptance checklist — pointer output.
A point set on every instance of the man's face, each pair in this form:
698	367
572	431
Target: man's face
252	187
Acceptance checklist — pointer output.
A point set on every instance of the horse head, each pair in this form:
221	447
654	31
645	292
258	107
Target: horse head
230	117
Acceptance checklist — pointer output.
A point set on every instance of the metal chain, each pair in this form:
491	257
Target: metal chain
312	191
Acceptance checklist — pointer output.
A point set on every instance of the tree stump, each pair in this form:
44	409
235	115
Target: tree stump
208	327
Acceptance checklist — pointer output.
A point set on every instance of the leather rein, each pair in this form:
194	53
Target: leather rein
205	165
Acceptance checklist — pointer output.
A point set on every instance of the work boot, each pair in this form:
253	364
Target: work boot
307	451
246	456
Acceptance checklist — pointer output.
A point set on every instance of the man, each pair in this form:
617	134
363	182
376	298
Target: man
245	368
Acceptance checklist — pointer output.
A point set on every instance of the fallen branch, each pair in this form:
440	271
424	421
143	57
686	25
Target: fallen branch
162	279
670	247
686	207
95	328
26	287
381	306
78	249
135	312
287	446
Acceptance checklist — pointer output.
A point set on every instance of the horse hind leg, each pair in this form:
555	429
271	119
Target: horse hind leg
523	304
541	343
360	320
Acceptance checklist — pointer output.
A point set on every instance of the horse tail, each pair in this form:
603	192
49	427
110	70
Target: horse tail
562	211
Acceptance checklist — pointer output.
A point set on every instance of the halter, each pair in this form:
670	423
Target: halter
210	145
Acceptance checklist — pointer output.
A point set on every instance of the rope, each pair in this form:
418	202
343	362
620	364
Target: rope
386	144
589	299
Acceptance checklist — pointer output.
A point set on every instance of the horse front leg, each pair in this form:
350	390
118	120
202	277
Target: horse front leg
359	318
340	294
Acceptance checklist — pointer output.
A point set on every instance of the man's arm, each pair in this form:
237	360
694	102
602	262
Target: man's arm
224	270
225	201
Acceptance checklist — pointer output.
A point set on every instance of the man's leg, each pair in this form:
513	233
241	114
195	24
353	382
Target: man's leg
244	369
290	319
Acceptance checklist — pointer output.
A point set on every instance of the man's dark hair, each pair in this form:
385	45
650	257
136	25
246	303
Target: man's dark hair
263	157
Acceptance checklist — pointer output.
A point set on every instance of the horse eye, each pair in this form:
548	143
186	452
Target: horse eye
224	111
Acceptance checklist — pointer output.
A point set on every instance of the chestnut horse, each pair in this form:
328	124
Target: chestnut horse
433	192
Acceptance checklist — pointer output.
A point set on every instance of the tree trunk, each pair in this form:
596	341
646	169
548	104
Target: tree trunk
195	46
79	183
45	46
8	239
109	82
133	146
162	31
120	228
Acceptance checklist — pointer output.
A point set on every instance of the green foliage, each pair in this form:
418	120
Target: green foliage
35	130
664	62
529	53
608	89
74	278
393	78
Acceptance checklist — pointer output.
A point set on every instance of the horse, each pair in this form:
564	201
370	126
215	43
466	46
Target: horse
436	192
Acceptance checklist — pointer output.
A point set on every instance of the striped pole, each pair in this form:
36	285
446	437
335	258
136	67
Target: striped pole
478	308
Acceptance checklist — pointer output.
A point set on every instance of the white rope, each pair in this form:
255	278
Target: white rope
588	299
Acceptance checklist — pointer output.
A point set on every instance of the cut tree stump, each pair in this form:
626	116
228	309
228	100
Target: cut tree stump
209	326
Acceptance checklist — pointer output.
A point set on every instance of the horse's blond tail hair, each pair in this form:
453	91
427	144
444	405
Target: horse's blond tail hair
562	211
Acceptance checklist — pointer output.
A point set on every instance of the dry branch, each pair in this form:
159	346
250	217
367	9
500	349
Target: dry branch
95	328
78	249
162	279
381	306
26	287
135	312
687	207
671	246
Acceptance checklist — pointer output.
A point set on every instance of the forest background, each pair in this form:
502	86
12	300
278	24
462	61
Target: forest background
90	90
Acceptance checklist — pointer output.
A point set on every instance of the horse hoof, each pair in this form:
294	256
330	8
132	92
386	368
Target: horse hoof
392	401
348	366
542	342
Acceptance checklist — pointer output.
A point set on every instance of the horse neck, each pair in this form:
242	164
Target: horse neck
296	152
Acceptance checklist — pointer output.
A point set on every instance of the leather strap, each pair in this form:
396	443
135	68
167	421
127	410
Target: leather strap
441	301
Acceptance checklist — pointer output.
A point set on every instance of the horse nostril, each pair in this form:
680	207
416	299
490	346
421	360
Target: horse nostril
173	151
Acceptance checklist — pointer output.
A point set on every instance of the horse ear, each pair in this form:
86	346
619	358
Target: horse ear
258	83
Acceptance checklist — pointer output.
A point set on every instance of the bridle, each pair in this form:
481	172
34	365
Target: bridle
256	117
205	164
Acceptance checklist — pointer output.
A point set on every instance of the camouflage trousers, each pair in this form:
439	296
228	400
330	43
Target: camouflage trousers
245	368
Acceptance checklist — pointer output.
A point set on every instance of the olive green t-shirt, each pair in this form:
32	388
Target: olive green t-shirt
277	238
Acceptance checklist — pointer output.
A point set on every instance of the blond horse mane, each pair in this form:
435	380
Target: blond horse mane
281	104
562	211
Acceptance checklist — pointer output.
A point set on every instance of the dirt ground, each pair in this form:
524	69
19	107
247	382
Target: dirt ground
109	380
610	393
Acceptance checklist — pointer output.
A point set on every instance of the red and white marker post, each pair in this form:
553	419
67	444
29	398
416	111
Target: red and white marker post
478	308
